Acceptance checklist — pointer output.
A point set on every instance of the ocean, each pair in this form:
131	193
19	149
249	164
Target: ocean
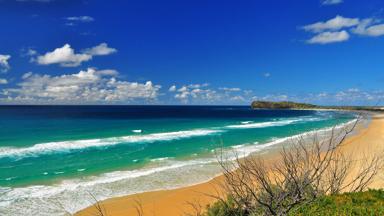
53	157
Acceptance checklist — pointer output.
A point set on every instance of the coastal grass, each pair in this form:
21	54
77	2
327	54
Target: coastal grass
369	202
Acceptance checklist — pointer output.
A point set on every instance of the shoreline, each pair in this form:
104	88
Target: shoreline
175	201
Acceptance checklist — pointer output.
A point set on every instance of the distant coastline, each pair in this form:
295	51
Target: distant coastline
306	106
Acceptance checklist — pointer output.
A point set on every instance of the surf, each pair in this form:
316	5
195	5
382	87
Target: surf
68	146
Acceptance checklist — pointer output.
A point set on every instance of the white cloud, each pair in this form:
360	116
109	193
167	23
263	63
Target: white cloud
266	74
26	75
72	21
238	98
89	86
329	37
351	96
80	18
230	89
3	81
172	88
204	94
369	27
28	52
4	65
338	29
334	24
100	50
198	85
198	93
66	57
332	2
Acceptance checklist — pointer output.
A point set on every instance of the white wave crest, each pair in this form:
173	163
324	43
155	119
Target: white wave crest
47	148
274	123
264	124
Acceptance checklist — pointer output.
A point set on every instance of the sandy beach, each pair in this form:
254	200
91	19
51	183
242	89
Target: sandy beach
366	141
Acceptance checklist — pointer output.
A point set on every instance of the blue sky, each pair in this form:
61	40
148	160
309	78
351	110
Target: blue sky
191	52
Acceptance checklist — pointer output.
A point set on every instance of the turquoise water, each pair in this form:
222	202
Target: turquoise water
52	151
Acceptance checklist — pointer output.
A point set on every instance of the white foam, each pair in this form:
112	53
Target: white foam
58	173
274	123
237	146
47	148
160	159
249	149
246	122
264	124
137	131
10	178
68	190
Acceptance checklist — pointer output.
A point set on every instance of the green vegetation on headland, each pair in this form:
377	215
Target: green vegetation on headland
359	203
294	105
281	105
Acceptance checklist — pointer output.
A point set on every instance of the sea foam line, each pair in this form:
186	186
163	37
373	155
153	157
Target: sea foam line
263	124
250	124
246	150
47	148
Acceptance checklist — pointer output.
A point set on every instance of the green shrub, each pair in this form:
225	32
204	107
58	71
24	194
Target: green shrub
362	203
224	208
348	204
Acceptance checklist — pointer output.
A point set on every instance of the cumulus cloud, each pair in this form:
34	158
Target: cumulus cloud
4	65
172	88
338	29
369	27
351	96
88	86
197	92
3	81
100	50
334	24
66	57
329	37
204	94
332	2
209	95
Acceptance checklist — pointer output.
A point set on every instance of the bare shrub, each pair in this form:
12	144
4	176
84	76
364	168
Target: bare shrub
305	170
98	206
